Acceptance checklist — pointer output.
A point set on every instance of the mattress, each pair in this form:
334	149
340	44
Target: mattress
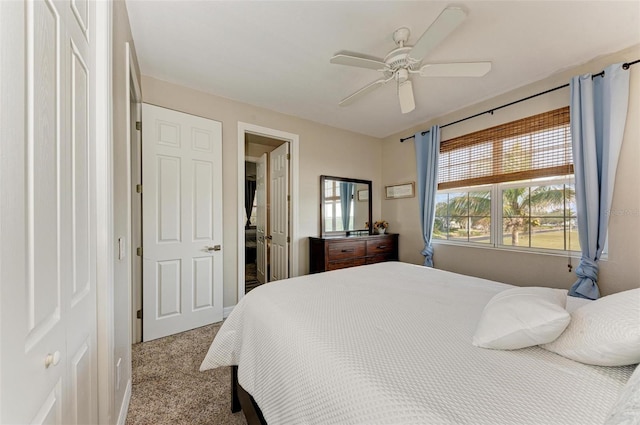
390	343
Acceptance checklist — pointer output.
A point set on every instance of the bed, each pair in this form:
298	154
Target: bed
390	343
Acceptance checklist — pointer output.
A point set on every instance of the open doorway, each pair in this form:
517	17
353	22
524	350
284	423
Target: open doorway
251	225
258	203
251	221
267	195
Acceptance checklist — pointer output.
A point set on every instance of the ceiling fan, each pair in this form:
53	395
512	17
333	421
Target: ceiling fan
405	60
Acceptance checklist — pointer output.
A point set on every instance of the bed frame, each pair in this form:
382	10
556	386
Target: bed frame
242	400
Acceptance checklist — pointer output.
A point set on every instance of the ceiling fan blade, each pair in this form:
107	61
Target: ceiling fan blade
362	92
405	94
444	24
462	69
355	59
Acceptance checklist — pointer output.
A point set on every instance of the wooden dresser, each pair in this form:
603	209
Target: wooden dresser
332	253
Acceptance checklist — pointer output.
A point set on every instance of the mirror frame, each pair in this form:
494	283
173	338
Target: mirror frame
323	233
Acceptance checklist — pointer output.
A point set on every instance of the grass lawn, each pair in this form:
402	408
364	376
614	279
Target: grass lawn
553	239
547	239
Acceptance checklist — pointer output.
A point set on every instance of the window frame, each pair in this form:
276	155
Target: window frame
497	216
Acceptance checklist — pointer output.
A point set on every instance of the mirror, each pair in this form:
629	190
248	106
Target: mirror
345	206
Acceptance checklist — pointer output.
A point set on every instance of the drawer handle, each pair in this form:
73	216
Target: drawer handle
347	250
382	247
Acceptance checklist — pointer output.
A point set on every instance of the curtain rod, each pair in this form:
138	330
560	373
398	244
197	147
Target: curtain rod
625	65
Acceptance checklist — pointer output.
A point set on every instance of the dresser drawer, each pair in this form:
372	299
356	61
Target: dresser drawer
379	258
343	264
346	250
384	246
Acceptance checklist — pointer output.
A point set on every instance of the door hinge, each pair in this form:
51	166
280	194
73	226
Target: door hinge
288	239
288	197
138	125
139	251
138	188
139	314
288	156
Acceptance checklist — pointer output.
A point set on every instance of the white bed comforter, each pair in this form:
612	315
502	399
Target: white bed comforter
390	343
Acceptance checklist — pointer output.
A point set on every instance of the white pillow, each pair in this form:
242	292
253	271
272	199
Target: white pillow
605	332
522	317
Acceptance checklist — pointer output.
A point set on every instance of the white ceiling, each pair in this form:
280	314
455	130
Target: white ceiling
276	54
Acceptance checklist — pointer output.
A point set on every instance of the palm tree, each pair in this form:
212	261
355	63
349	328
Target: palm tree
517	205
514	210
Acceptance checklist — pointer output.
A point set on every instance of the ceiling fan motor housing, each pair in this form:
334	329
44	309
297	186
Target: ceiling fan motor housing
399	59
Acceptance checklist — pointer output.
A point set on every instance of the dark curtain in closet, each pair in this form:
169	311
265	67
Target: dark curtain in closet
249	196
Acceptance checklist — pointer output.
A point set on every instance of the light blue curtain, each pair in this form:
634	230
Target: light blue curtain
427	153
346	195
598	115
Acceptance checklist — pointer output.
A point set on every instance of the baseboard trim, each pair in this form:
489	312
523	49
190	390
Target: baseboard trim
122	417
227	311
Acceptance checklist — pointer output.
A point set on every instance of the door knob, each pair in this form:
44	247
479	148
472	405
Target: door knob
52	359
214	248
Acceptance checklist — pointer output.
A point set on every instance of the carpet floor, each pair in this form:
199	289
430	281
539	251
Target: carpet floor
250	277
168	388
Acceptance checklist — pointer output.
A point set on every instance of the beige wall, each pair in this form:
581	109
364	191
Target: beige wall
622	268
121	34
323	150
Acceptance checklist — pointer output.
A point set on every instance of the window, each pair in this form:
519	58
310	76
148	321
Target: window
509	186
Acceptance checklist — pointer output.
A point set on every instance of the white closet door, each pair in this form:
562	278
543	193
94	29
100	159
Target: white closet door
182	221
48	262
279	218
261	218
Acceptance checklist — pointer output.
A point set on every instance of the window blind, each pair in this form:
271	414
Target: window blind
532	147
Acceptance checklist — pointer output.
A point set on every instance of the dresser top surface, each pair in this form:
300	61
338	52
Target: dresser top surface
354	237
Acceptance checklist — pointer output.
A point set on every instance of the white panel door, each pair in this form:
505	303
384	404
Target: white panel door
279	218
48	271
181	222
261	218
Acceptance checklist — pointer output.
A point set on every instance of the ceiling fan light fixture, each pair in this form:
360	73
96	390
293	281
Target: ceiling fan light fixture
402	75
